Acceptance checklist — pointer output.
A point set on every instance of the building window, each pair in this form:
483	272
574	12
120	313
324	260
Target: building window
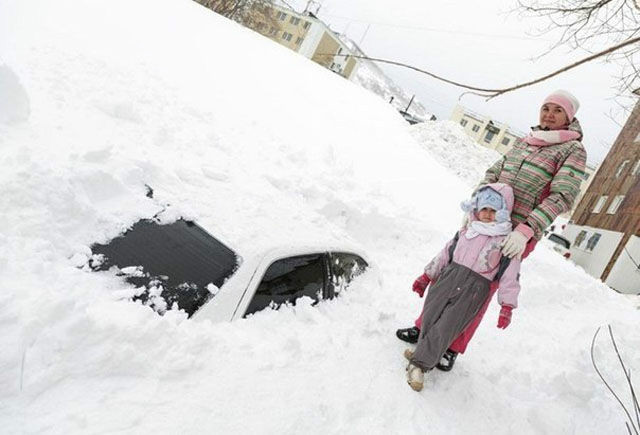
463	122
582	235
636	168
615	204
505	141
601	201
593	241
294	21
281	16
475	128
286	36
621	168
489	136
306	25
299	40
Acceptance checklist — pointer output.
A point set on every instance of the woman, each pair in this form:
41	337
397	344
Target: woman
544	170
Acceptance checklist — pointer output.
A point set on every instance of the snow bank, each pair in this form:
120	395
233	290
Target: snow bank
447	142
262	147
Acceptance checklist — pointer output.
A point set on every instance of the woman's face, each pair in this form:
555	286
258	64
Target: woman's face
553	117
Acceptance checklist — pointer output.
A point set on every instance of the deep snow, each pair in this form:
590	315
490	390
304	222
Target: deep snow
260	146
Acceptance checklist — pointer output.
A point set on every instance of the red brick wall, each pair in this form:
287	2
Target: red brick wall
627	217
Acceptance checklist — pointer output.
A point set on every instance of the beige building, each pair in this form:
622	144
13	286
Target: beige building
500	137
487	132
306	34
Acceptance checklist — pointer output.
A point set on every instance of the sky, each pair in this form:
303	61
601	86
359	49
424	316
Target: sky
484	44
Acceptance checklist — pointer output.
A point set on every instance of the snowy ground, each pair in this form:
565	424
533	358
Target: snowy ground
260	146
447	142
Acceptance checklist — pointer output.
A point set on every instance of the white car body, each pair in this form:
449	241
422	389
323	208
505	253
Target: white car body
557	243
234	296
180	264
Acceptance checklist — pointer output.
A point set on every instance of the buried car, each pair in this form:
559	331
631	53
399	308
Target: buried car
559	244
180	265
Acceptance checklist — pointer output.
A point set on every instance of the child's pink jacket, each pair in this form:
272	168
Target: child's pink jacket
482	255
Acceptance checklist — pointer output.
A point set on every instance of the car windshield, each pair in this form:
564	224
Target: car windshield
560	240
178	263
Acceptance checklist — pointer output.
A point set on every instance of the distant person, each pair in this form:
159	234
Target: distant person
545	170
461	276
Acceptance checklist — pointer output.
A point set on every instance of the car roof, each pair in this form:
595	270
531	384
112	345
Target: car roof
290	227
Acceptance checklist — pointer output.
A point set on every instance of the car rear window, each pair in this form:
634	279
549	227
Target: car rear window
178	263
560	240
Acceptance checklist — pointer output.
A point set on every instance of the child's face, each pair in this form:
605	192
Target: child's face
487	215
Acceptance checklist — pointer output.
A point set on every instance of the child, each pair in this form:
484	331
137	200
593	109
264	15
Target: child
460	277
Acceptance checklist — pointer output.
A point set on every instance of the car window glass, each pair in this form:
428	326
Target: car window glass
559	240
289	279
344	267
175	263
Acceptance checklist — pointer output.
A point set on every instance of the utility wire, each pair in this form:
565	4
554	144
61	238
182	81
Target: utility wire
631	258
492	93
435	29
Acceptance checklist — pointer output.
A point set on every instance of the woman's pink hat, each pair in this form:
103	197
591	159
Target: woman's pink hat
565	100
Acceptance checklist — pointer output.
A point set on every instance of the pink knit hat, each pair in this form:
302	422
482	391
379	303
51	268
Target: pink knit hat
565	100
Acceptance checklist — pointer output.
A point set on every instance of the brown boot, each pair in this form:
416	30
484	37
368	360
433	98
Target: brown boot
408	354
415	377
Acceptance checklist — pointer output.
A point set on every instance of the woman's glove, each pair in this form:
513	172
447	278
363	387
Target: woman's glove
421	283
514	244
505	316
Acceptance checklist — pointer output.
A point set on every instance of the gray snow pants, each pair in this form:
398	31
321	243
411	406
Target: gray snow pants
451	303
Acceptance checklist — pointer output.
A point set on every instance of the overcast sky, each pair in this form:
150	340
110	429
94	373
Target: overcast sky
481	44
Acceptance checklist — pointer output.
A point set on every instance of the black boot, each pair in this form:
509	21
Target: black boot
447	360
410	335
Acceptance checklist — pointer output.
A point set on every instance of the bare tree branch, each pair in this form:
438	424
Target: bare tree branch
591	25
627	375
492	93
595	366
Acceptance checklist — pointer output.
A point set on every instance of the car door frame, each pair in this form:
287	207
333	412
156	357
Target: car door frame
331	266
263	266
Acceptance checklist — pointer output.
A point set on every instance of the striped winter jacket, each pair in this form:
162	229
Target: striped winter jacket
545	179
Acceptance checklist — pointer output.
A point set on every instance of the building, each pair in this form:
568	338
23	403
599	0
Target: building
589	171
605	226
303	32
487	132
500	137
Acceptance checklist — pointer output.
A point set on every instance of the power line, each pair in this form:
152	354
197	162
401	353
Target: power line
436	30
631	258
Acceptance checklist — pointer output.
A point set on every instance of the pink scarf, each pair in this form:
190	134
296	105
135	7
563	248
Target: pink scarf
542	138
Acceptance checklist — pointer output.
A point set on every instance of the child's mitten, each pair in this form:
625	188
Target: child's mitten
505	316
421	283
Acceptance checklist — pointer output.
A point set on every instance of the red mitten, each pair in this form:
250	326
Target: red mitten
421	283
505	316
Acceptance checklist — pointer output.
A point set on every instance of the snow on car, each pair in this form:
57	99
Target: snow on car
180	265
